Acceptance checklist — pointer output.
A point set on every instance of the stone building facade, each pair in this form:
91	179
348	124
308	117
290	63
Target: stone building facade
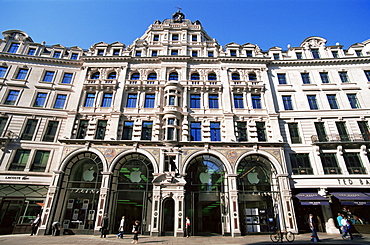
174	125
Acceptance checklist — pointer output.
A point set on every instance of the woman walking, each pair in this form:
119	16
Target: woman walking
136	230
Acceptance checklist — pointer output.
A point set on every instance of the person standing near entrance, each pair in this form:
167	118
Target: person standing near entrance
136	230
187	227
104	226
121	228
35	225
313	227
339	220
346	228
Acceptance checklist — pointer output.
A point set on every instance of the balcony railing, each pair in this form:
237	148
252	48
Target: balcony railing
356	170
302	171
331	138
100	82
332	170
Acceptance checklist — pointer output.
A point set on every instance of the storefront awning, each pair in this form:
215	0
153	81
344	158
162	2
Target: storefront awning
312	198
352	198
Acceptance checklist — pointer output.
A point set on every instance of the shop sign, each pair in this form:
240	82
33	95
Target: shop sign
80	190
17	178
353	182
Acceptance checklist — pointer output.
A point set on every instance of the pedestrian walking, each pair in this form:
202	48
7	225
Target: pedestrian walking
187	227
104	226
136	230
346	226
35	225
121	228
313	227
339	220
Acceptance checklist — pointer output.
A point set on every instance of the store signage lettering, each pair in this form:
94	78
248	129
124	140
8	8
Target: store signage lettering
351	182
85	191
17	177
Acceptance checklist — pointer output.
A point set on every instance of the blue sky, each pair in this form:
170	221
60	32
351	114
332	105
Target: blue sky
266	23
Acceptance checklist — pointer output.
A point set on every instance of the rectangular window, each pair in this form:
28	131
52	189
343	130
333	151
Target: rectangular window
3	121
287	101
175	37
194	38
242	131
31	51
22	73
312	102
131	101
40	100
315	53
174	52
171	100
210	54
353	101
195	101
12	97
138	53
194	53
353	163
299	55
13	48
238	101
100	129
195	131
74	56
256	101
249	53
344	77
305	78
154	53
332	101
40	161
324	77
107	100
329	163
156	38
51	131
301	164
276	56
213	101
3	71
90	99
20	160
149	101
261	131
67	78
364	128
342	130
367	74
100	52
82	129
60	101
56	54
146	130
215	131
294	133
321	133
335	54
128	128
232	52
358	53
282	78
29	129
48	77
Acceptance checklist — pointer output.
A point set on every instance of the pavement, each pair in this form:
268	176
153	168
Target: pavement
21	239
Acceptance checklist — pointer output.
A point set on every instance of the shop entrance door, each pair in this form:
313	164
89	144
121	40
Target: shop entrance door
168	217
9	214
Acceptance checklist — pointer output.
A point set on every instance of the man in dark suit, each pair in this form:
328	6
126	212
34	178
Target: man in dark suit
313	227
104	226
35	225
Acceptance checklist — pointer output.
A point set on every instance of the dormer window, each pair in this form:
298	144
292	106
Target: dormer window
276	56
100	52
174	52
358	53
13	48
31	51
116	51
154	53
156	38
232	52
74	56
175	37
56	54
210	54
299	55
138	53
194	38
315	53
335	54
249	53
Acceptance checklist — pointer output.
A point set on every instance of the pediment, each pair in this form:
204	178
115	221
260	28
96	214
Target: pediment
313	42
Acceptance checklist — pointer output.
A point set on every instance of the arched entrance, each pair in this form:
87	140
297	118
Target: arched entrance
205	186
168	217
132	191
81	186
255	194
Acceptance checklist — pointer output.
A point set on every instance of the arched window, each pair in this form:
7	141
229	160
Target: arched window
152	76
212	77
254	174
174	76
252	77
135	76
235	76
95	75
112	75
194	76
